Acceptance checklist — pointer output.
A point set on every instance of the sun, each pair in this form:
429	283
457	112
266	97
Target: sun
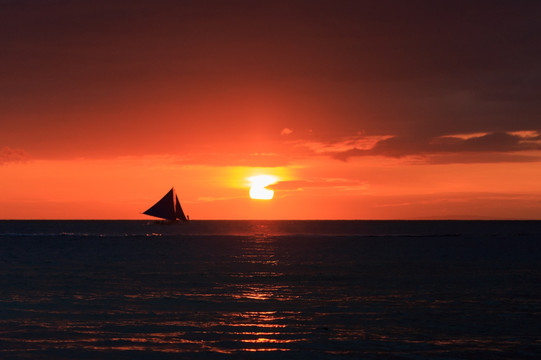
258	186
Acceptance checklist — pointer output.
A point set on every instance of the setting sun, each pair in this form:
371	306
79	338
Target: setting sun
258	186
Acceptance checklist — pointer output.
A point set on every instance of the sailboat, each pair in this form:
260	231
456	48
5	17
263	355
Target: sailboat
168	208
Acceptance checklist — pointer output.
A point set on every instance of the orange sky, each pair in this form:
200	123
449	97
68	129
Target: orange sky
362	110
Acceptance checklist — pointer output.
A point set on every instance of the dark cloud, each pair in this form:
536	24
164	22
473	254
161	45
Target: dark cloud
481	158
290	185
8	154
324	183
406	146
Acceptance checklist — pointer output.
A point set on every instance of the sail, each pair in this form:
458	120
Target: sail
168	208
165	208
179	213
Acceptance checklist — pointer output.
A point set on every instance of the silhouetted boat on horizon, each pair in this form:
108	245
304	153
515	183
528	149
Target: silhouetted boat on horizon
168	208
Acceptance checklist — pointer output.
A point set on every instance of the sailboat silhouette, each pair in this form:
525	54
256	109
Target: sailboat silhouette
168	208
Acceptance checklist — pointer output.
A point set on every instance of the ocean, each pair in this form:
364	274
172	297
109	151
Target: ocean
270	290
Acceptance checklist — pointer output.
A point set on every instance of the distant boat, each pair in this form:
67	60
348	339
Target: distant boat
168	208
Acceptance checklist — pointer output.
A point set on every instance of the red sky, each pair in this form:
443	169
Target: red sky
362	109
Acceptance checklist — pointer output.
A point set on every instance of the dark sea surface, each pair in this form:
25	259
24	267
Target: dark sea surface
270	289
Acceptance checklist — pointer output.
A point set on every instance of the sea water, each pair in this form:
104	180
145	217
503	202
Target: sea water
270	289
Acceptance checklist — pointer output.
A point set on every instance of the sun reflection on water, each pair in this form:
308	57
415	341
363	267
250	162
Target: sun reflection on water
262	330
265	331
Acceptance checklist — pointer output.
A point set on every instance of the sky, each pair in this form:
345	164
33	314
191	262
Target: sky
360	109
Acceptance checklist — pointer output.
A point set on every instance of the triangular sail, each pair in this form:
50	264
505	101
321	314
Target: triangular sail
168	208
179	212
165	208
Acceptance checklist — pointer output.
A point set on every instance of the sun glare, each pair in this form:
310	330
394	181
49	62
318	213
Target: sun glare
258	186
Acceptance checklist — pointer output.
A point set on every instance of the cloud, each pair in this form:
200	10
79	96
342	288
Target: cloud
358	141
292	185
8	154
496	142
481	158
286	131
